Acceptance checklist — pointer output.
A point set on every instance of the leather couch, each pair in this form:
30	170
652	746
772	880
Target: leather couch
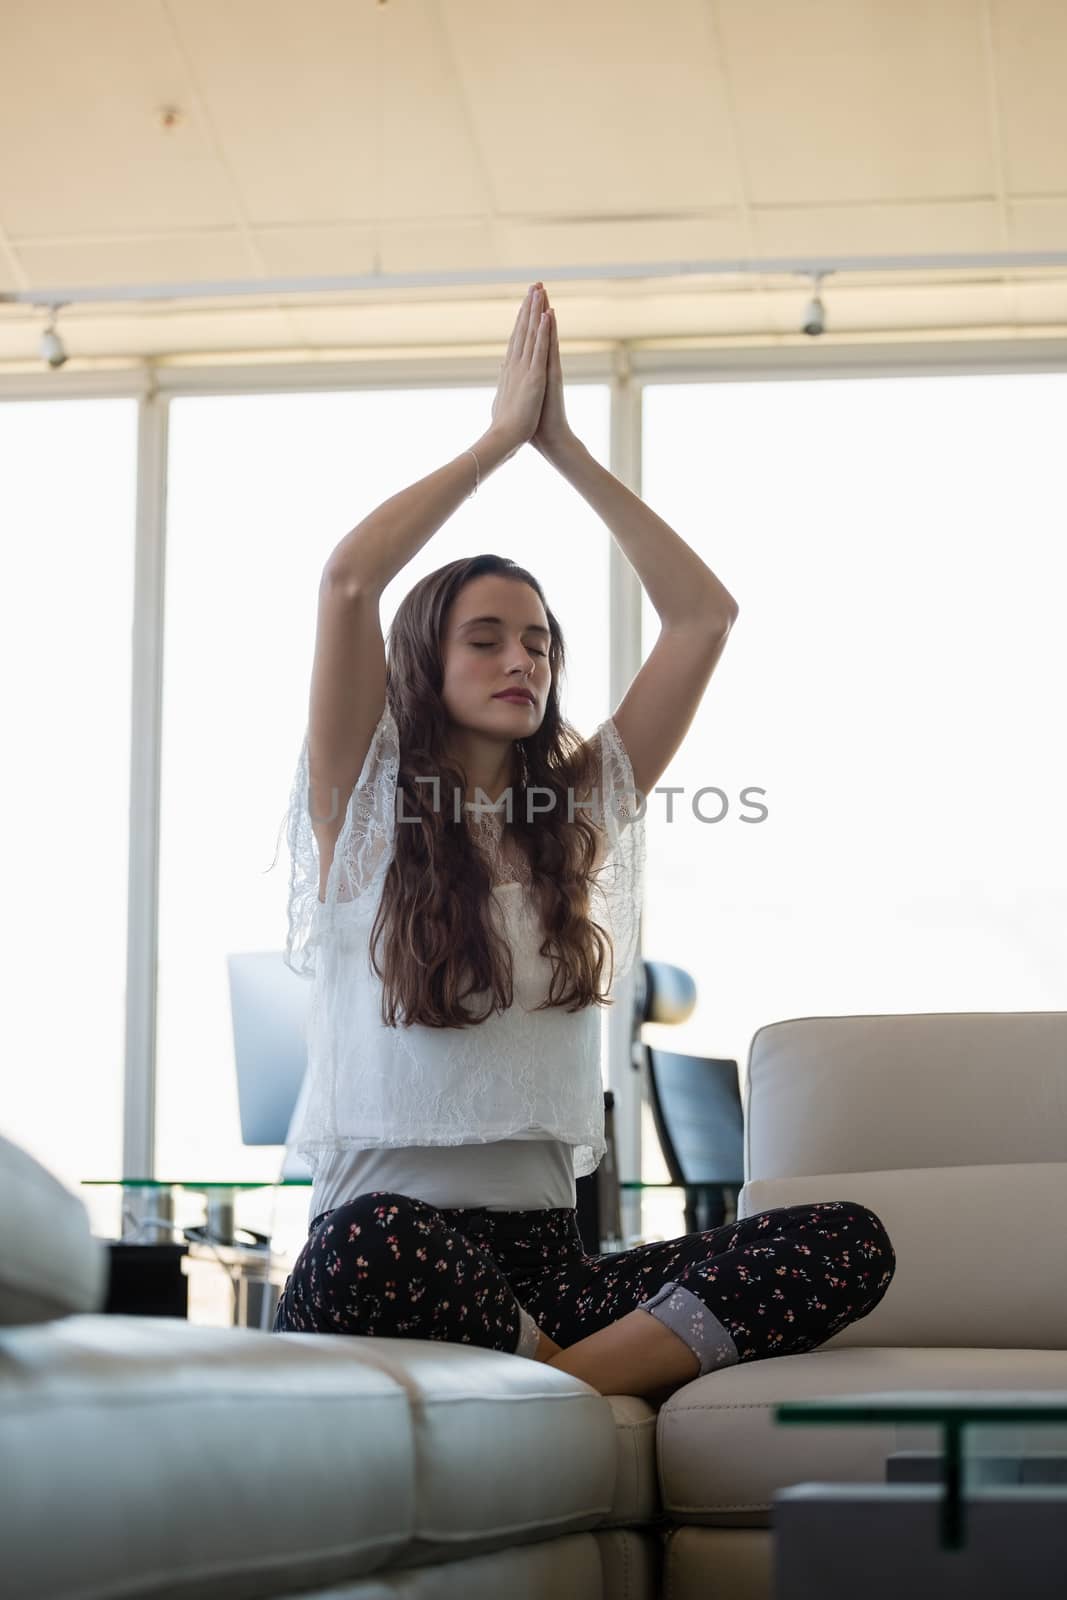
146	1456
952	1127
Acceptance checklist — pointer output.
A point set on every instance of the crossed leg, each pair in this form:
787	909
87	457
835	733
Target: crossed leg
776	1283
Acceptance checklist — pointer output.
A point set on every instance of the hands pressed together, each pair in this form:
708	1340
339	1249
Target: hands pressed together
528	408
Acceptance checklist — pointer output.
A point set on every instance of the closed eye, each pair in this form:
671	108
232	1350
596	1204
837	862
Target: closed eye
485	645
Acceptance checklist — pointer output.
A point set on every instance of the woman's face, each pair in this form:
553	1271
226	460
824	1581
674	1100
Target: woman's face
482	658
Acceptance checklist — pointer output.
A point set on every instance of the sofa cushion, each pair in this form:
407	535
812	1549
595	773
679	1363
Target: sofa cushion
723	1455
881	1092
980	1257
50	1263
228	1461
562	1420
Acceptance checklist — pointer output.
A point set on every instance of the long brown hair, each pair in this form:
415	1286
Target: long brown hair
438	944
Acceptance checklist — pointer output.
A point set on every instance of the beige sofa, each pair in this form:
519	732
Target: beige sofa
953	1128
145	1456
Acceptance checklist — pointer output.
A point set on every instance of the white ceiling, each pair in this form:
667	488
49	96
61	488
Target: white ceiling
437	155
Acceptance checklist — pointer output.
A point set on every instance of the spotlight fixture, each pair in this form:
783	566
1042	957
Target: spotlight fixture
814	314
51	345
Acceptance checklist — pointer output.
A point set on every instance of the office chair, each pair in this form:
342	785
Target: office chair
696	1104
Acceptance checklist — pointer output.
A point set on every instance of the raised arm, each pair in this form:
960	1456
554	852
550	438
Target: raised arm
696	611
348	679
381	545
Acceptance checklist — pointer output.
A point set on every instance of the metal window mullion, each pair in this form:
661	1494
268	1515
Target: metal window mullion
142	938
624	646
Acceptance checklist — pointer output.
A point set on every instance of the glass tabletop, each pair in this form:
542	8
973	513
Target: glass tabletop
974	1446
932	1405
203	1183
295	1183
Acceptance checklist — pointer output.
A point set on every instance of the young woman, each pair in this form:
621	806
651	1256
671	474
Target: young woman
465	890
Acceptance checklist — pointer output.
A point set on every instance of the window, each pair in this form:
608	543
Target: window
67	506
891	694
261	490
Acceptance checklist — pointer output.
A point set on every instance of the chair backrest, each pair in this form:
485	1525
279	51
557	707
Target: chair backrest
269	1008
696	1107
662	993
952	1127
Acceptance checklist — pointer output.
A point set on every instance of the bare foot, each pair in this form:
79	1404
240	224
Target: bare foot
546	1348
636	1355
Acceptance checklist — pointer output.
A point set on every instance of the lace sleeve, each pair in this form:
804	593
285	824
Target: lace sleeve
362	852
618	882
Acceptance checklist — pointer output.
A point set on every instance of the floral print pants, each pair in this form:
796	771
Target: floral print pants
773	1284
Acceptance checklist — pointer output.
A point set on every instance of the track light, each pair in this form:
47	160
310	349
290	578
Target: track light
51	345
814	314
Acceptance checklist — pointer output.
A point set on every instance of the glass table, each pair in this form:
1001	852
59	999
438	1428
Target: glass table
150	1202
973	1447
143	1277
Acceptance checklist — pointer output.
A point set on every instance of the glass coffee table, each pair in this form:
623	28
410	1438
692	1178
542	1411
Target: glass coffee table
1025	1472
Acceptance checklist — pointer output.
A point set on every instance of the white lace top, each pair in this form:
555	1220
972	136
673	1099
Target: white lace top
522	1075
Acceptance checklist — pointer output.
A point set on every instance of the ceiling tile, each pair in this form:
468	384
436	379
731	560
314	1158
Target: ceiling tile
859	100
920	228
610	106
332	111
1039	225
1030	38
81	146
169	258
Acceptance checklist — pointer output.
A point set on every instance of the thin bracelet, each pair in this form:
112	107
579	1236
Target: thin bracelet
477	474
